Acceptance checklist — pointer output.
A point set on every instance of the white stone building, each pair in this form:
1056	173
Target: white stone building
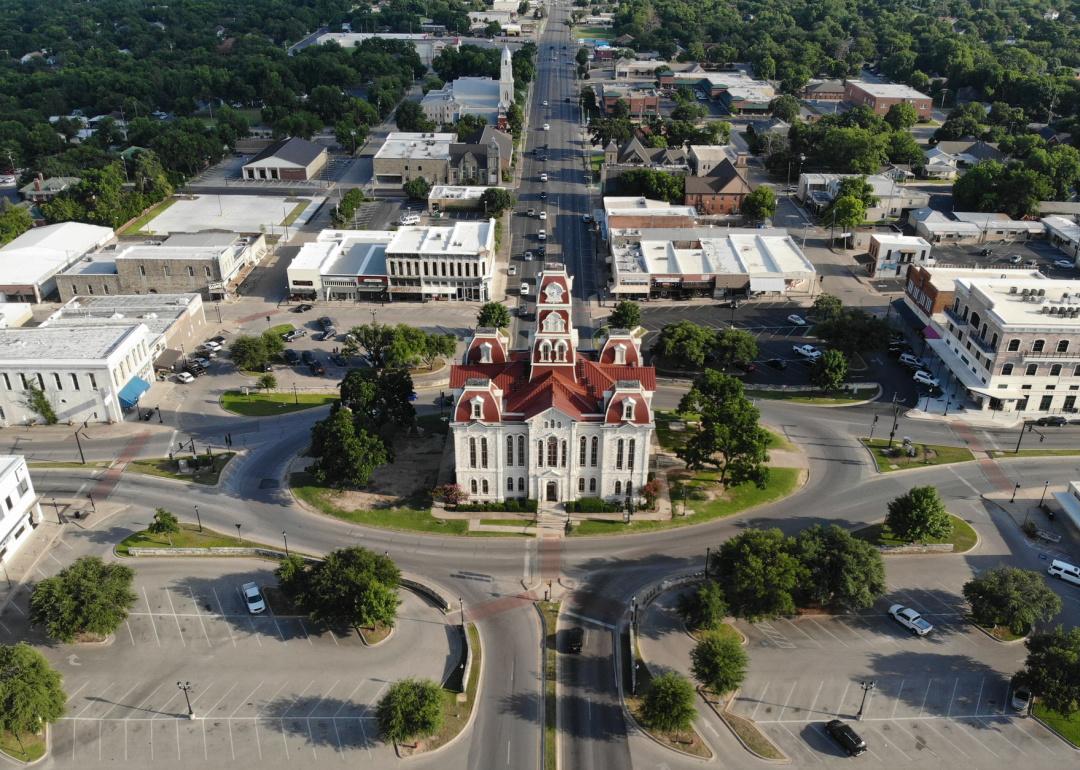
485	97
20	511
552	423
892	253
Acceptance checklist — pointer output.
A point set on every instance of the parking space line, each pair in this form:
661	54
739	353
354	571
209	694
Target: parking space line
284	740
142	704
888	742
79	690
195	602
246	698
130	633
150	609
812	639
337	737
221	608
964	726
899	690
367	746
306	634
347	698
311	740
812	754
765	689
205	751
925	696
178	739
830	633
219	700
956	684
232	746
899	725
1005	700
324	697
179	629
810	711
986	723
929	725
121	698
851	627
99	697
786	700
840	703
258	740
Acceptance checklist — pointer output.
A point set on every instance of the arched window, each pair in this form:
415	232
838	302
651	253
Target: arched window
472	452
618	487
1037	346
539	453
521	450
620	355
483	453
560	351
592	485
993	342
521	483
619	454
975	321
628	409
1014	345
1032	369
1063	346
581	484
594	450
553	452
1007	369
630	454
545	351
1055	370
484	486
581	452
472	486
509	484
509	450
562	454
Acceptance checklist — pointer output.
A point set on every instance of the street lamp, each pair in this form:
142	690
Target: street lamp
707	553
186	687
461	606
197	518
872	426
240	539
1015	488
867	688
1043	496
286	539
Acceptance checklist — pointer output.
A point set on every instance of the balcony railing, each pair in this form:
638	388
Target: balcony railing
982	344
955	317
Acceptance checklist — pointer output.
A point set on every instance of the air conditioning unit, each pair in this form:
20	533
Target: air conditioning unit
1012	289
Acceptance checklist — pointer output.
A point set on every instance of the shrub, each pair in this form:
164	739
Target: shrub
593	505
510	505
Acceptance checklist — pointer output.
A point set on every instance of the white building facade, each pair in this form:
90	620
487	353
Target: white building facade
552	423
20	510
480	96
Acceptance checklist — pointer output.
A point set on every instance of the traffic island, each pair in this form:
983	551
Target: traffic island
256	404
746	731
962	539
549	620
202	469
24	748
191	540
897	455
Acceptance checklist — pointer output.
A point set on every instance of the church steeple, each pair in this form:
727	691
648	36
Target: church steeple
553	342
506	79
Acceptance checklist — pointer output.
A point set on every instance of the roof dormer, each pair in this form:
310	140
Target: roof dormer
621	347
487	346
627	404
480	401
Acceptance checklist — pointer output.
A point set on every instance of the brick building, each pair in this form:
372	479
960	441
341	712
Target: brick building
721	191
881	96
287	160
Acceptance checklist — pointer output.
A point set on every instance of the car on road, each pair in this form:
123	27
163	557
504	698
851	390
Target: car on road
985	252
808	352
293	335
542	235
512	270
1053	421
544	103
575	638
543	195
547	127
528	255
910	619
291	357
796	319
543	177
531	213
1016	259
253	598
586	218
543	215
524	288
409	219
302	308
184	377
1062	570
1064	264
1021	699
845	737
541	251
194	369
925	378
912	360
777	363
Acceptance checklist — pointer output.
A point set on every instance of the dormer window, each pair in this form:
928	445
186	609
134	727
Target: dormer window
485	353
477	408
620	355
628	409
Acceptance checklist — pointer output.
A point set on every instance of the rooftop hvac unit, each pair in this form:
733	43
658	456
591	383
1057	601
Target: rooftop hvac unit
1042	292
1044	309
1026	292
1012	289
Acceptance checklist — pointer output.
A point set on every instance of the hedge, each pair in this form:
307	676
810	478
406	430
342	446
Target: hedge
510	505
592	505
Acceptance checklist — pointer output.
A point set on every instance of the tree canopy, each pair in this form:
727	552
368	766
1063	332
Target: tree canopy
31	694
718	662
760	204
88	597
668	704
626	315
919	515
844	573
493	315
1052	669
410	709
760	574
1011	597
351	587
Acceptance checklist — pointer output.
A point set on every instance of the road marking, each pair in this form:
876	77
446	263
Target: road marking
899	690
830	633
584	619
115	705
925	695
132	635
180	630
812	639
937	732
258	740
765	689
843	698
99	697
978	702
195	602
223	615
219	700
232	746
146	597
953	696
810	711
79	690
178	739
786	700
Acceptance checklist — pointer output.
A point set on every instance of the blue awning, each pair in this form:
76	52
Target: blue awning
130	393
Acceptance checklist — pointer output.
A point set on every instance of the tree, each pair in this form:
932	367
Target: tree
14	221
164	523
375	339
854	330
718	662
786	107
668	704
493	315
408	345
901	116
703	608
626	315
293	576
919	515
657	185
451	494
582	56
438	346
759	574
846	212
344	456
1014	598
417	188
904	148
273	343
827	307
409	116
685	344
353	587
728	436
89	597
759	205
266	381
734	346
1051	669
39	404
830	371
249	352
843	573
410	709
496	200
31	694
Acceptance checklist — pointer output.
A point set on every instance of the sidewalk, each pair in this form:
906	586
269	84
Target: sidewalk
934	409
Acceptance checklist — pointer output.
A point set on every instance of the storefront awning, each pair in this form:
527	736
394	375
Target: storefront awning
130	393
767	283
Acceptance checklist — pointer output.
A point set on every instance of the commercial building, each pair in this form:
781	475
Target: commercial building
441	159
21	511
971	227
1064	233
455	198
721	191
29	264
637	212
881	96
412	263
891	254
287	160
551	423
644	101
932	288
210	263
735	89
479	96
706	262
893	198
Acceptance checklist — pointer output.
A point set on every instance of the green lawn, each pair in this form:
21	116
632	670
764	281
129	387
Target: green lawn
814	396
257	404
138	224
280	329
550	611
298	209
69	464
1004	453
1069	726
726	631
27	747
963	537
598	33
169	468
189	536
927	454
672	439
782	482
509	522
408	519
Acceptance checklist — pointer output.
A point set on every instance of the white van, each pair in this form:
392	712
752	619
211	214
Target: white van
1065	571
409	219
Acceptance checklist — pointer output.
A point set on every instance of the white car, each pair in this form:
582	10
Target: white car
547	127
925	378
543	215
808	352
184	377
910	619
409	219
253	598
528	256
542	235
512	270
524	288
1064	264
545	103
796	319
910	359
213	346
543	177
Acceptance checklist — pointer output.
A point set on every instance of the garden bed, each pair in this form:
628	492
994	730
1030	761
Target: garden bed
962	539
925	455
258	404
189	536
209	473
550	613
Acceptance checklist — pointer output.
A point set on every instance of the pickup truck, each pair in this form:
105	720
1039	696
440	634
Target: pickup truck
910	619
808	352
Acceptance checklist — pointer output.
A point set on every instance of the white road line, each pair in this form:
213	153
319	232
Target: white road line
786	700
258	741
812	639
221	608
977	741
978	702
142	704
168	595
843	697
254	632
150	609
296	700
165	705
246	698
765	689
324	697
899	690
195	603
830	633
584	619
307	636
99	697
79	690
925	696
965	482
930	726
284	740
219	700
956	684
232	746
205	750
367	745
851	627
178	739
337	737
810	711
116	705
130	633
913	738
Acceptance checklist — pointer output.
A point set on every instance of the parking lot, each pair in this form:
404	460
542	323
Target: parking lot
1002	253
270	690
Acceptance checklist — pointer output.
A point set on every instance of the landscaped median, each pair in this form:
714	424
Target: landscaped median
549	618
262	404
896	457
190	536
207	470
856	395
962	539
24	747
1068	727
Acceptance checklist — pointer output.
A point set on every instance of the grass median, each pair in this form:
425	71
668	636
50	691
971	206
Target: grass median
925	455
207	473
1066	726
189	536
256	404
456	712
550	613
963	537
23	747
815	397
137	226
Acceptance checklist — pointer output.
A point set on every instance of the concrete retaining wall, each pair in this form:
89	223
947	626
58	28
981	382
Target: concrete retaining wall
916	548
265	553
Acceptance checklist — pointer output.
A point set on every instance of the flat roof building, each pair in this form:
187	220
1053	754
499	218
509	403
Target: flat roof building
818	190
892	253
341	264
881	96
22	512
446	197
29	263
622	212
1065	234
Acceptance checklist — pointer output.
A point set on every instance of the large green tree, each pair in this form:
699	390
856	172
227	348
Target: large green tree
249	352
493	315
704	606
1052	669
759	205
14	221
1014	598
901	116
760	574
685	344
668	704
352	587
626	315
829	371
733	346
89	597
417	188
345	456
843	573
496	200
410	709
31	694
410	117
854	331
918	515
718	662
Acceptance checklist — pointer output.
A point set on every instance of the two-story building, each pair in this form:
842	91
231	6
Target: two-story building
20	510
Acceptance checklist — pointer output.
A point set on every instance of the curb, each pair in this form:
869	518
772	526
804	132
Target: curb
1021	640
39	760
543	667
720	715
1063	739
379	643
222	476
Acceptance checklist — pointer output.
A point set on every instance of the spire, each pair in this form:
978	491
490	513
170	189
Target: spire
506	79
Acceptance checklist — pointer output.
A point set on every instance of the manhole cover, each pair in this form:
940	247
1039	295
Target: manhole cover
268	484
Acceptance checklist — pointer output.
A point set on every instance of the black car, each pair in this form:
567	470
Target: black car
847	738
777	363
575	637
218	339
985	252
1054	421
291	357
195	370
339	360
317	368
326	322
307	357
543	195
302	308
327	334
540	251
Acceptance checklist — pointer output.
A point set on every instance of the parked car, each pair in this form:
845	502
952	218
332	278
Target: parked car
925	378
845	737
575	638
547	127
912	360
195	370
1021	699
512	270
293	335
409	219
291	357
985	252
212	345
327	334
777	363
317	368
1053	421
1064	264
203	362
543	177
808	352
910	619
413	396
1062	570
542	235
220	340
253	598
543	195
796	319
302	308
543	216
307	356
524	288
326	322
1016	259
184	377
586	218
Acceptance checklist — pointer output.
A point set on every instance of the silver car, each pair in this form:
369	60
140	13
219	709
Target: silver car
256	605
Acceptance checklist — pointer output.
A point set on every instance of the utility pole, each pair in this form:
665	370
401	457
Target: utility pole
186	687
